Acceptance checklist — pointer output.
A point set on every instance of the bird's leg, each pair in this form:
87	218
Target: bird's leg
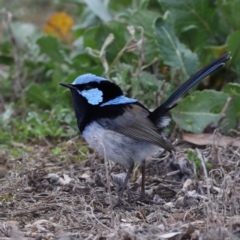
143	196
120	195
143	178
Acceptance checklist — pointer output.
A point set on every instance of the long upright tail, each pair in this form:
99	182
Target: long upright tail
196	78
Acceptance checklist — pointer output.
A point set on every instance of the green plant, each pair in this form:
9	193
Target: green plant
193	157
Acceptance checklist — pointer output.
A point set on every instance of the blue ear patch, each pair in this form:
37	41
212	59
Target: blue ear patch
93	96
119	100
87	78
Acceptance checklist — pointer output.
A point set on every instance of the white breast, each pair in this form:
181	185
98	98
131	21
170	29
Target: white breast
118	147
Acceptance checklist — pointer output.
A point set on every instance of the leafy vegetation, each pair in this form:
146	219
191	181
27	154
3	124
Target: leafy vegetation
193	156
147	47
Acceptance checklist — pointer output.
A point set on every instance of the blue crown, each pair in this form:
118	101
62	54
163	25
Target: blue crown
87	78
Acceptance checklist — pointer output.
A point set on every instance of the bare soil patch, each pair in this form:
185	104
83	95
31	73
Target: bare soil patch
44	195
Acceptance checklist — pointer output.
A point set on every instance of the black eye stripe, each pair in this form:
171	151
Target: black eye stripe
86	86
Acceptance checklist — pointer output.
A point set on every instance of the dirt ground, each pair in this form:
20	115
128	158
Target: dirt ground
49	195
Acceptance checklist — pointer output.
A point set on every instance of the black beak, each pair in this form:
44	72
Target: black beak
68	85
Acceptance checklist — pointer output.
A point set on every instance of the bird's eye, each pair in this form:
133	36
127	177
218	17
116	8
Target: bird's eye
87	87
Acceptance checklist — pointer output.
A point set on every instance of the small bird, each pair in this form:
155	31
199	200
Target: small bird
121	128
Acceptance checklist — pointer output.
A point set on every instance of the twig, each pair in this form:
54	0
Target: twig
102	54
93	215
205	172
161	180
36	209
130	46
171	173
223	112
140	45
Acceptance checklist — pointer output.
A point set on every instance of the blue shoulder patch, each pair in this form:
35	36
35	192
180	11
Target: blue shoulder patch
119	100
93	96
87	78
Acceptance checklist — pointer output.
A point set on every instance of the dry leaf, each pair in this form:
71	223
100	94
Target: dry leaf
208	139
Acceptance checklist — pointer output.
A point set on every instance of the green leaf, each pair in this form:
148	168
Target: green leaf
147	88
3	74
233	45
145	19
95	37
87	19
195	112
189	14
56	150
145	81
230	11
7	114
150	52
117	6
172	52
34	94
233	89
144	4
100	9
50	46
24	31
7	60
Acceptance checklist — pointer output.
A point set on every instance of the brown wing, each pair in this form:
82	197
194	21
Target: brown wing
135	123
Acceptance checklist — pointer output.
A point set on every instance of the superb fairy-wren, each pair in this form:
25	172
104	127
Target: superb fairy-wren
121	128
